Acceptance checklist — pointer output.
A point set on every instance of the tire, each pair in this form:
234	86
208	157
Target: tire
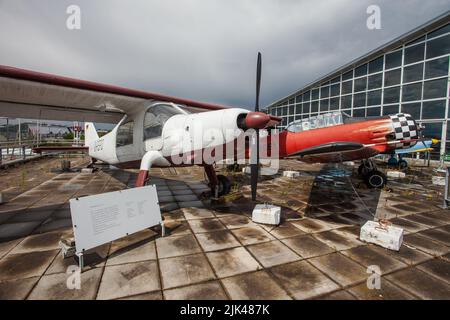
224	185
376	179
402	164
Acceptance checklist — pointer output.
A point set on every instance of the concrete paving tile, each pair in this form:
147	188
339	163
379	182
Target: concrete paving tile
169	206
25	265
235	221
232	261
203	291
206	225
175	215
217	240
191	204
272	253
41	242
10	231
31	215
338	295
254	286
252	235
302	280
410	256
128	279
7	246
53	225
183	192
54	287
173	246
424	220
197	213
439	268
166	199
369	255
177	228
340	268
438	234
164	194
61	214
387	291
92	259
420	284
286	230
308	225
185	270
155	295
338	240
133	253
407	225
17	289
425	244
307	246
186	198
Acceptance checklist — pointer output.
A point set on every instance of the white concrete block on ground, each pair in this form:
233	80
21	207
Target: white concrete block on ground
438	180
266	214
87	170
387	236
291	174
264	171
395	174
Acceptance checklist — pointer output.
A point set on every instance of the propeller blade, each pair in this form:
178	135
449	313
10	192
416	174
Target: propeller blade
254	164
258	81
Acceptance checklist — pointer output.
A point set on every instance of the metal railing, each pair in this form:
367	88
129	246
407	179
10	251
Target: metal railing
13	150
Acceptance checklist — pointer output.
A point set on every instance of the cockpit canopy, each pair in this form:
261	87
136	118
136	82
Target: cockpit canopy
316	122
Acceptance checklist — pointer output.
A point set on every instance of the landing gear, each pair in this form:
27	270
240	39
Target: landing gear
375	179
224	185
220	185
401	163
372	176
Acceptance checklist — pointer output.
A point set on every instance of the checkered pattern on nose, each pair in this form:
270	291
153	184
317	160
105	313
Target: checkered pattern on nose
405	129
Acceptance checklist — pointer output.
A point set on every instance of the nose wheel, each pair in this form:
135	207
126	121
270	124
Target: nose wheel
371	175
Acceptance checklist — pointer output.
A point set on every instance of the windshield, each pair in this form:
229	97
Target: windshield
316	122
156	117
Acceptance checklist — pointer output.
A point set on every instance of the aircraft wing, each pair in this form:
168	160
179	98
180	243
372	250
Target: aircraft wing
35	95
335	152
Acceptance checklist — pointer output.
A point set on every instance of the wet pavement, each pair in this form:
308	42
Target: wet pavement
214	250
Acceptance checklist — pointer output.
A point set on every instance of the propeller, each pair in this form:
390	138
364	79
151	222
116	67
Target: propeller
254	145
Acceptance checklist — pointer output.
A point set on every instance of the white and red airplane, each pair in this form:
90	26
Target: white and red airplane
157	130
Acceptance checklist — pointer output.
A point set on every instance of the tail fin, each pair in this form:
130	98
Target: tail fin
90	134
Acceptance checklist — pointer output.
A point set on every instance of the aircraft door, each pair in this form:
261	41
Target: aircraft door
154	121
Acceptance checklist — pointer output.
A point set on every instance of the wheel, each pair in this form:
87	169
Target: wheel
224	185
402	164
376	179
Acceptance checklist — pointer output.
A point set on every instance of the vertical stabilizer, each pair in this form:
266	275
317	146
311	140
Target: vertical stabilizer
90	134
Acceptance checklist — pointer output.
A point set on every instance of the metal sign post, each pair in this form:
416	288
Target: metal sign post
446	189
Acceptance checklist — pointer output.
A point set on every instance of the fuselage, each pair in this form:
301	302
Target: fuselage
175	137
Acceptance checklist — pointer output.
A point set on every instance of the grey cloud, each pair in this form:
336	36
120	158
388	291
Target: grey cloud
201	49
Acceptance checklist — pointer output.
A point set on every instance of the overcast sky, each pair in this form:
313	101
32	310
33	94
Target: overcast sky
201	49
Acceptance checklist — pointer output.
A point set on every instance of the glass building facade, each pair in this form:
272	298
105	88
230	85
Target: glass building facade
410	74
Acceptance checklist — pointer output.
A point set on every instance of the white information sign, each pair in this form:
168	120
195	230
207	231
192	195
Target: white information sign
102	218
